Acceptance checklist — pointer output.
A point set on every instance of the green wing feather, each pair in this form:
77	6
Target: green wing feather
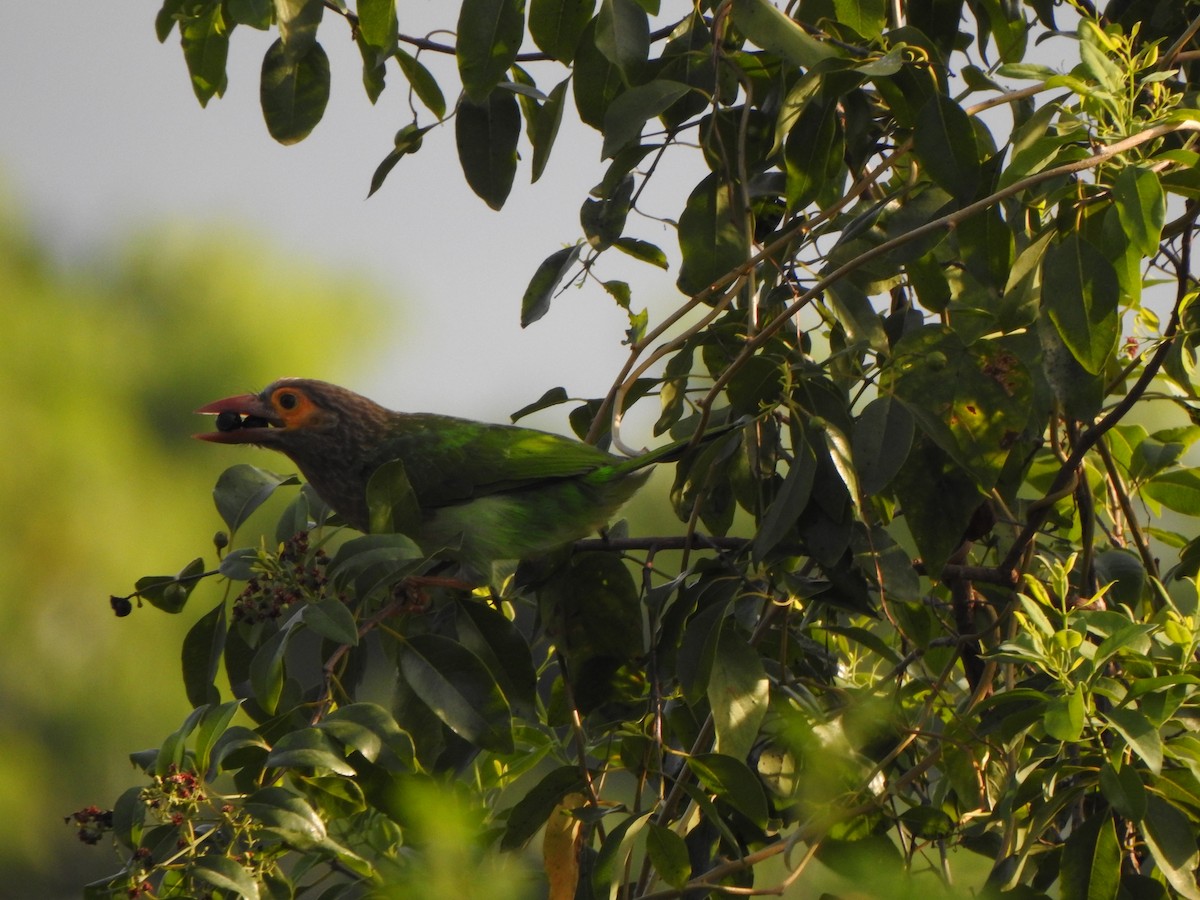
450	460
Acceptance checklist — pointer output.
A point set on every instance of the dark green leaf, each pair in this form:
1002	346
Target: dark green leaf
882	436
733	783
202	650
487	135
623	35
1091	864
331	619
712	236
545	281
288	815
789	502
255	13
552	397
545	130
556	25
628	113
453	682
1080	290
308	748
1170	835
813	154
1123	789
503	649
596	81
294	91
944	142
408	140
489	36
1177	489
1141	207
530	813
372	731
377	23
267	671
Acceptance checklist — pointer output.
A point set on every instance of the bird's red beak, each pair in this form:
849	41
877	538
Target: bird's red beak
232	428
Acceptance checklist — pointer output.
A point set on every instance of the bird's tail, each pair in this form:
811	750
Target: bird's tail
678	449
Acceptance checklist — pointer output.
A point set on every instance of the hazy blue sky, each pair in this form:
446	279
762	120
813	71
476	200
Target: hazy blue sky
102	137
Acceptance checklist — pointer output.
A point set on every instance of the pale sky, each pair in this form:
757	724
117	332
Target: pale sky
101	137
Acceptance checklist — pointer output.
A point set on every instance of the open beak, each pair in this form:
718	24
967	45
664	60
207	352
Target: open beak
245	419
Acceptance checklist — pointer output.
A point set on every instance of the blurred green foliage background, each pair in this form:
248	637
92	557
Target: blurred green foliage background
101	364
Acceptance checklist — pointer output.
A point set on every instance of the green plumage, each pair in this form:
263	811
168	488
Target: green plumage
486	492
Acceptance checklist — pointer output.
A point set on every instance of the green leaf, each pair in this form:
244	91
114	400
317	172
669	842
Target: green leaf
267	670
556	25
489	36
768	27
545	130
377	23
375	560
867	17
331	619
669	855
880	442
1177	490
372	731
1170	835
226	875
255	13
205	41
391	502
610	861
642	250
1064	716
944	142
553	397
545	282
1091	862
457	686
308	748
628	113
1123	789
623	35
423	83
298	21
738	692
813	154
1080	290
530	813
596	81
170	592
789	503
733	783
712	236
202	650
408	140
294	91
288	815
487	135
1141	207
1139	733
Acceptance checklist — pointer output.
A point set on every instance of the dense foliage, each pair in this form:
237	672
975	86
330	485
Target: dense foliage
932	618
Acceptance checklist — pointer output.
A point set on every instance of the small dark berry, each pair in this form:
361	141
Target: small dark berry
220	540
121	606
228	421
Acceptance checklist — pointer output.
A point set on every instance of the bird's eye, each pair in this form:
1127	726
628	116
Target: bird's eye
287	400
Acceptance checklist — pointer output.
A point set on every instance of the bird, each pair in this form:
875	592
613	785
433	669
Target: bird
485	492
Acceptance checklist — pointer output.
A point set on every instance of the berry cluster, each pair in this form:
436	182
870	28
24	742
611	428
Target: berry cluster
92	822
175	795
291	575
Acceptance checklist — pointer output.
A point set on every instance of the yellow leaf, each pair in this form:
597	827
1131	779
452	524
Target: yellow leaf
560	848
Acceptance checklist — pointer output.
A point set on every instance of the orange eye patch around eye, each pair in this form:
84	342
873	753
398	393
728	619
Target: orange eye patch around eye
294	407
